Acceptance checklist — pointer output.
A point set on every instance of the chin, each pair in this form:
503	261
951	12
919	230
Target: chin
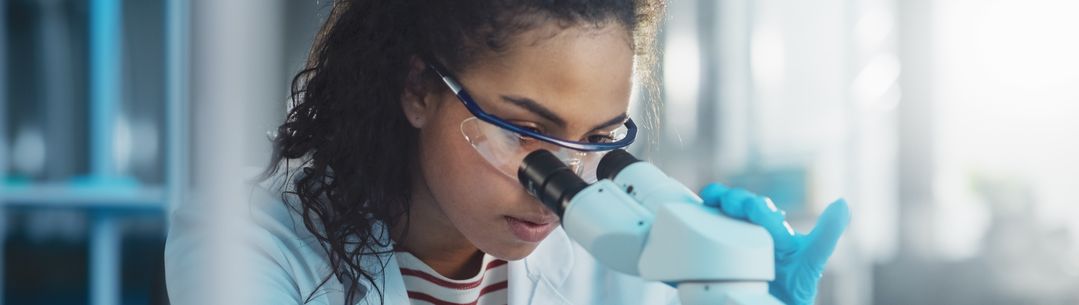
513	253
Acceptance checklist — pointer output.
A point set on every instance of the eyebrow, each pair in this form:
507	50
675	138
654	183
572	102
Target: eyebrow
618	120
534	107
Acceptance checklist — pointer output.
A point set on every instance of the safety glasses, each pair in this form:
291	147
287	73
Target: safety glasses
504	145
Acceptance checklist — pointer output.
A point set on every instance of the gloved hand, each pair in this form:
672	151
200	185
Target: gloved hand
799	257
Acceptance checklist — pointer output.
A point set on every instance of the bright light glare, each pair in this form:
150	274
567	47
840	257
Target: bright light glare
681	75
1031	44
1008	101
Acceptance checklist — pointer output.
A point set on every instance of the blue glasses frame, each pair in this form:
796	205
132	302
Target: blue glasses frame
474	108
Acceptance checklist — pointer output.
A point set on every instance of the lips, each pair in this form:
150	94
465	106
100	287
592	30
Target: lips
531	229
538	219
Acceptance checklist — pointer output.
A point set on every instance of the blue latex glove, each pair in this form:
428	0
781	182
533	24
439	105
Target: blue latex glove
799	257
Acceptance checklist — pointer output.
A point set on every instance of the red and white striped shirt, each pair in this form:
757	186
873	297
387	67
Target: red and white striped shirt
426	287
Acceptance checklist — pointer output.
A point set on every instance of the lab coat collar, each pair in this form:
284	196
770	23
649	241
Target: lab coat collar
387	273
537	278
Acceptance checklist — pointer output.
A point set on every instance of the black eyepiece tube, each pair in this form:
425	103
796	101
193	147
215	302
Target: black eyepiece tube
613	163
545	176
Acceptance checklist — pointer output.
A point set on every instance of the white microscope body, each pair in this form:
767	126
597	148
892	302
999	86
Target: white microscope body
643	223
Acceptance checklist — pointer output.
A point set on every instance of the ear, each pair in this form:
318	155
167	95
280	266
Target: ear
416	102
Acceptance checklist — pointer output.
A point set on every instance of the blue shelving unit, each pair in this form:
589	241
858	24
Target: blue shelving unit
3	134
105	194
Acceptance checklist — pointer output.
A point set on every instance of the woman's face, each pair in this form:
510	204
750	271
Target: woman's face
561	81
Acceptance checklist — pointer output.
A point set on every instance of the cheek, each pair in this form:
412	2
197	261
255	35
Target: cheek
455	172
473	195
469	191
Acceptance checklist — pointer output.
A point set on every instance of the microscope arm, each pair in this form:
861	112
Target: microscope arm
610	225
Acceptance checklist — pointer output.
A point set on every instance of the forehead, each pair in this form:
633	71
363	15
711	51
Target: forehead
582	73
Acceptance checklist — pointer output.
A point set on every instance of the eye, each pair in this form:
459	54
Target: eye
600	138
525	140
533	129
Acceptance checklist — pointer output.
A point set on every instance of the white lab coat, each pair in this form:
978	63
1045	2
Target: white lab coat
286	265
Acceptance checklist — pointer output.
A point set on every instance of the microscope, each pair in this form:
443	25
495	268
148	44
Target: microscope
638	221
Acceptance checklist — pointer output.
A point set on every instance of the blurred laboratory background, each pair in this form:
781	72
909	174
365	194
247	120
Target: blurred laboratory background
951	127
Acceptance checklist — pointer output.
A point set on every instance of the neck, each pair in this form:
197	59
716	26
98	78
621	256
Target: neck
428	234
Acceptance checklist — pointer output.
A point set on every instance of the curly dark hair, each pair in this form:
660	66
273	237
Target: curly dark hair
346	125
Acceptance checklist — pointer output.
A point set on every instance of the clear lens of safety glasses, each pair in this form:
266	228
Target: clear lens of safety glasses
505	149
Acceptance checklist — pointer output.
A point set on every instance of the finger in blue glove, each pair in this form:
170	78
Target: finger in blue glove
798	271
742	204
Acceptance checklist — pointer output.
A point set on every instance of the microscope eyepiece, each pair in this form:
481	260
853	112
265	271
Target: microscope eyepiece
545	176
613	163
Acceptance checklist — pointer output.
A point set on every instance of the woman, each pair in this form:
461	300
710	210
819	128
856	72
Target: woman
393	177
